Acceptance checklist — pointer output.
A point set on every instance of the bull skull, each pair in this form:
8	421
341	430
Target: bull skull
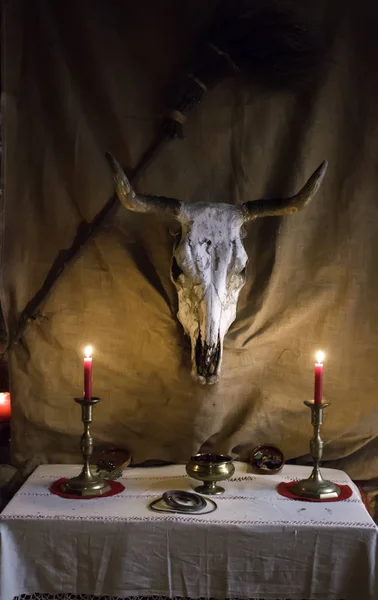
209	261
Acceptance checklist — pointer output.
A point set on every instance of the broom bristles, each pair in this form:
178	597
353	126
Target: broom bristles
268	44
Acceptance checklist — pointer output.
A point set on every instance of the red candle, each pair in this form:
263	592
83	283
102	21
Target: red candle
88	373
5	406
318	387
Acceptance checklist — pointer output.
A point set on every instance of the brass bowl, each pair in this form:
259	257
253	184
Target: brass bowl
111	459
210	468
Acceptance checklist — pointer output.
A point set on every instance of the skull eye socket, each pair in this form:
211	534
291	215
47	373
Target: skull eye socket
176	271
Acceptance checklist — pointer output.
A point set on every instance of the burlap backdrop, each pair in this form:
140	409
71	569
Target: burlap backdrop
84	77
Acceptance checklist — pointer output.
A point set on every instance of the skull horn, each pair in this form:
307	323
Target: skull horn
137	202
254	209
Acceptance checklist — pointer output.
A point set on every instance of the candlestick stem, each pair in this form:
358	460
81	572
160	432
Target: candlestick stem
87	483
316	486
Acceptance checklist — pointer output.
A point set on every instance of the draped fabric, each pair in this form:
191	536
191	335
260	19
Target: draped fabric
256	544
81	78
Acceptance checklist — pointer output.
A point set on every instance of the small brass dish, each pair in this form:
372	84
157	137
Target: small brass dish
210	468
267	460
111	459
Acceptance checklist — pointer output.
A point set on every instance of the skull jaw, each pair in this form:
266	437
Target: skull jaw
206	360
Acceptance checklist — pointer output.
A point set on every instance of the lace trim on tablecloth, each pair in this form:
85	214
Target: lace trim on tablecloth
126	476
186	519
227	497
147	495
40	596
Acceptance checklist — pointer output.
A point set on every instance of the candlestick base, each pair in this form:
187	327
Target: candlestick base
87	483
316	487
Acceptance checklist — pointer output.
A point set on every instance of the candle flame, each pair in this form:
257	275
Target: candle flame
3	397
319	357
88	350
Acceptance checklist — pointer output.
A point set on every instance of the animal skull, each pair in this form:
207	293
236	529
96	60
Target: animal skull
209	261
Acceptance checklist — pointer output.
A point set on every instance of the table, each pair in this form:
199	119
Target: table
256	545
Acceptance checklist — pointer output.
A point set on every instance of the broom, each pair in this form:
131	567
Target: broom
258	40
261	41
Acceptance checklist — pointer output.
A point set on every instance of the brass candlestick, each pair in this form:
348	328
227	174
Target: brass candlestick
87	483
315	486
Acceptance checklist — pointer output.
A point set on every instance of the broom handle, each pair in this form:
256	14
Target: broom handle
191	94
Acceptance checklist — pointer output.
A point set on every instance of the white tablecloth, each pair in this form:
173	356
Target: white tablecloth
257	544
